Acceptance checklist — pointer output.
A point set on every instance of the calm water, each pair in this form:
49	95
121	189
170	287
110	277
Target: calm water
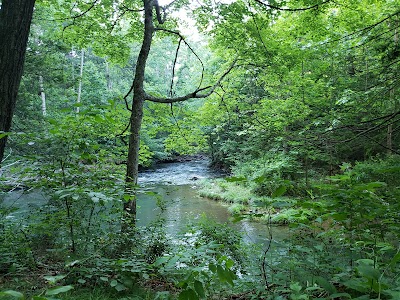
175	185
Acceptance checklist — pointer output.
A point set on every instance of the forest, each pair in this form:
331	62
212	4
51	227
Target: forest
278	119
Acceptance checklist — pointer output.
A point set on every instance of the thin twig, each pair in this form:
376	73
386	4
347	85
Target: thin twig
292	9
173	67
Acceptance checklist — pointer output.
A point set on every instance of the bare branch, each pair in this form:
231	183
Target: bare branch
126	96
367	28
173	68
196	94
190	48
382	145
160	19
385	122
292	9
131	9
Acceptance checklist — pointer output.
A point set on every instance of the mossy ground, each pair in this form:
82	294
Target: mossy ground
241	199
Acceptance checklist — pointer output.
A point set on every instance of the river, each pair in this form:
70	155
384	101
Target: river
175	184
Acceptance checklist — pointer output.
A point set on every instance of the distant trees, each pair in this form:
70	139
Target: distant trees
317	84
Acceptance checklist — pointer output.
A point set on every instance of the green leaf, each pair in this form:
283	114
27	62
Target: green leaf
229	263
212	267
58	290
192	294
3	134
12	293
54	279
260	179
120	287
113	283
221	273
357	285
394	260
188	294
159	261
279	191
296	287
368	272
326	285
198	287
172	262
339	217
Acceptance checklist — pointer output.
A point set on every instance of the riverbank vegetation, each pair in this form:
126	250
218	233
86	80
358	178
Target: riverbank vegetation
302	114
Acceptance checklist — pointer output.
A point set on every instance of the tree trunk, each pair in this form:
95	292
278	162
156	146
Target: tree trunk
139	96
15	21
42	95
78	101
108	76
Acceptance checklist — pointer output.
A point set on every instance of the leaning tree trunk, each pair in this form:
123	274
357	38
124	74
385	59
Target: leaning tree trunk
15	21
139	96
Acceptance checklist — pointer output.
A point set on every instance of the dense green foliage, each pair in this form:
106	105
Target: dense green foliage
306	125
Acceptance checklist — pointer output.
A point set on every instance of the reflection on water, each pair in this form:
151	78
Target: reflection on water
184	206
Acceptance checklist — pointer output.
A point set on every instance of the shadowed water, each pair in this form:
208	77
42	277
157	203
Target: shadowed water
174	185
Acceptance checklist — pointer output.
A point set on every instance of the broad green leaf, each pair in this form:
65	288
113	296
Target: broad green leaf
394	260
188	294
339	216
326	285
229	263
59	290
296	287
260	179
113	283
12	293
212	267
120	287
159	261
357	284
221	273
3	134
198	287
54	279
279	191
172	262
